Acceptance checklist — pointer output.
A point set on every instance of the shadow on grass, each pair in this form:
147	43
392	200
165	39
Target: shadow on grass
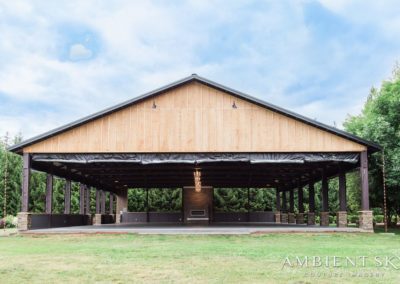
380	230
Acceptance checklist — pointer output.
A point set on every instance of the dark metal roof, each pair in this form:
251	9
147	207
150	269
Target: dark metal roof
372	147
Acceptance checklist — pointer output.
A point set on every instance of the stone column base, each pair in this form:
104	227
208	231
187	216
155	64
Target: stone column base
300	218
284	218
311	218
24	221
89	219
341	219
291	218
324	219
117	218
366	220
97	219
278	217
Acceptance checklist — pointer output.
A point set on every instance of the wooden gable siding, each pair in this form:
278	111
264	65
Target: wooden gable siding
194	118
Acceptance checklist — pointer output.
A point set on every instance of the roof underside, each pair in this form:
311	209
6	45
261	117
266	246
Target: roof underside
372	147
114	174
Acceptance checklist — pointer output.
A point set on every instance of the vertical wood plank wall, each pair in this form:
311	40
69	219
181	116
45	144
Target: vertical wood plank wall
194	118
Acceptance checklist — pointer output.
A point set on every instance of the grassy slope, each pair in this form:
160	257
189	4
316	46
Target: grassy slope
211	259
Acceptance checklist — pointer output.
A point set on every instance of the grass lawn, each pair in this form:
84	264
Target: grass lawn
194	259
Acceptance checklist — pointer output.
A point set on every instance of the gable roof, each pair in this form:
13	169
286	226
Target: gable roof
372	147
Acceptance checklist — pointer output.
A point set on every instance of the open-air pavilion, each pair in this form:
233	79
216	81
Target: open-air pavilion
196	135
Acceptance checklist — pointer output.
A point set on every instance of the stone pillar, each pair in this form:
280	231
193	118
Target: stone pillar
122	204
311	196
97	219
341	215
300	218
26	180
365	215
311	218
366	220
291	218
284	218
67	197
24	221
324	219
341	218
324	215
278	207
81	199
49	194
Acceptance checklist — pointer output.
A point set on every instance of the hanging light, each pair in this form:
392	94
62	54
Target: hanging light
197	180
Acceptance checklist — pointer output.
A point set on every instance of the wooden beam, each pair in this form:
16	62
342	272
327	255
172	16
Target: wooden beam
82	198
284	202
311	197
324	191
67	197
278	200
49	194
102	202
291	200
300	199
26	177
98	206
342	192
111	211
364	181
87	200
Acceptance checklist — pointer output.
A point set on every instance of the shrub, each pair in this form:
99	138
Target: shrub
353	219
10	221
2	223
331	219
378	218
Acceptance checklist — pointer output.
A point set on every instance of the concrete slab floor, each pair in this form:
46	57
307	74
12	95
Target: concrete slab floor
180	229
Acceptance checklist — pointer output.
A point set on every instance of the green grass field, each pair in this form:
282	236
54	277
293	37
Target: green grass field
193	259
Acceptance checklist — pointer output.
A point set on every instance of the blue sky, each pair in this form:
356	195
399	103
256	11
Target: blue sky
61	60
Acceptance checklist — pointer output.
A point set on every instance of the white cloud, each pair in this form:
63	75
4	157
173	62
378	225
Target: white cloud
263	49
79	52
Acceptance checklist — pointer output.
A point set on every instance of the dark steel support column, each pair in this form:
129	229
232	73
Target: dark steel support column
311	197
325	204
97	201
26	177
102	202
81	199
111	203
342	192
87	201
300	199
67	197
364	181
291	201
147	205
248	204
284	202
49	194
278	200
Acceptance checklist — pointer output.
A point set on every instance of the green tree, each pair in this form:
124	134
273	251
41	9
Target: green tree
379	121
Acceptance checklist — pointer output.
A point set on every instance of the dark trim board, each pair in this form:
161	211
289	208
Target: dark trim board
372	147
